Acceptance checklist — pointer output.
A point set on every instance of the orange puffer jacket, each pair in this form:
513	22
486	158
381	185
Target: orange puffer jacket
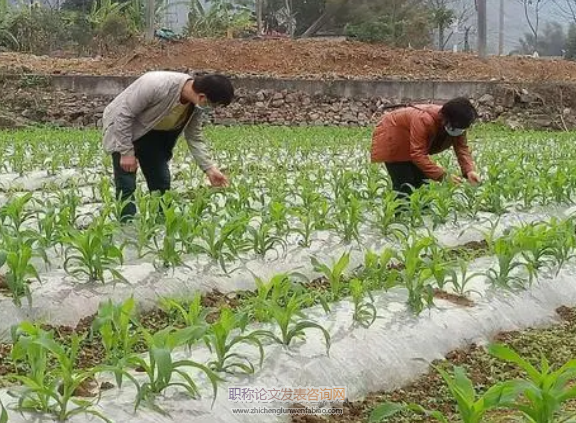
413	134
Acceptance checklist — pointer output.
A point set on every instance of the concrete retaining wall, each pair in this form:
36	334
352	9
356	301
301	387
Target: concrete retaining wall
409	90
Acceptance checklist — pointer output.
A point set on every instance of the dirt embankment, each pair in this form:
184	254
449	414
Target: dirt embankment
300	59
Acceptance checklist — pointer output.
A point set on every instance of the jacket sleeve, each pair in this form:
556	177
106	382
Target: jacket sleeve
142	94
196	141
463	154
419	140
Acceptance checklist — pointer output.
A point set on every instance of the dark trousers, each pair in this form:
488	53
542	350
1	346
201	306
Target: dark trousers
406	177
153	151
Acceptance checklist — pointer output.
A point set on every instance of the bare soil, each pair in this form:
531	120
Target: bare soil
557	343
299	59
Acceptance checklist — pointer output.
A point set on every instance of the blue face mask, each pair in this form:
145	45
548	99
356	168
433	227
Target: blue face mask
454	132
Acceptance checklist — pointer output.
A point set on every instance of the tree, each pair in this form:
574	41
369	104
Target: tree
566	9
442	16
400	23
571	43
532	12
551	42
220	18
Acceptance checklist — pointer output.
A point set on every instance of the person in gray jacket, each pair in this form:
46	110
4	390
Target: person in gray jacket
141	126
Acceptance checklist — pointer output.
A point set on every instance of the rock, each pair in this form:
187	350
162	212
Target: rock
278	96
567	111
260	104
10	122
291	98
29	114
278	103
487	100
499	110
349	117
260	95
514	124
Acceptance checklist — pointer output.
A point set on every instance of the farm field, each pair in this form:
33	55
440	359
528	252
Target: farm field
307	271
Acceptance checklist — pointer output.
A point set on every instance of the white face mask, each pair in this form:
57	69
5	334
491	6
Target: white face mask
454	132
204	109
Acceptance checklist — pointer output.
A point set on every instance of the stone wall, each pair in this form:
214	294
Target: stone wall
26	102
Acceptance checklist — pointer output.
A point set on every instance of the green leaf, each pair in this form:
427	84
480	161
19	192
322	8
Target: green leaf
383	411
505	353
3	414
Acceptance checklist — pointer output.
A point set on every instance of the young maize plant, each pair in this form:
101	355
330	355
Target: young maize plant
264	239
334	274
221	340
545	391
388	218
417	204
291	320
504	277
415	276
20	269
471	406
117	327
365	312
533	241
54	392
168	248
562	242
348	216
92	252
161	369
306	227
278	290
460	282
223	242
18	211
377	271
194	315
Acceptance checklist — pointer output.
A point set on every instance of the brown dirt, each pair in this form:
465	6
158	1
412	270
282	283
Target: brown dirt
557	343
453	298
302	58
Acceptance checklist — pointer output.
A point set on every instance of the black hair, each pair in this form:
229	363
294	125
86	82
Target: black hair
459	113
217	88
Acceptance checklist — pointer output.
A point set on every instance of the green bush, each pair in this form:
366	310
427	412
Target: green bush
370	32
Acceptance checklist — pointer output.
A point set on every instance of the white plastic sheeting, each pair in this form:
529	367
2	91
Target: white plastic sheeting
61	300
388	355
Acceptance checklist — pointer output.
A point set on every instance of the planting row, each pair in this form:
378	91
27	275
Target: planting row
53	383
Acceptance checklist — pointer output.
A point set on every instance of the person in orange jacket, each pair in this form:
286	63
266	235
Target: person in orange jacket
406	138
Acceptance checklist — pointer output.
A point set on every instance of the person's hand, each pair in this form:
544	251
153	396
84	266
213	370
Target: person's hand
455	179
217	178
473	178
129	163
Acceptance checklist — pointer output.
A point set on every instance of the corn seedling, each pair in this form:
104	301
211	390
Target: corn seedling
92	253
545	390
503	276
470	406
334	274
292	321
116	325
194	315
221	340
20	270
161	369
416	276
364	311
55	392
263	239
